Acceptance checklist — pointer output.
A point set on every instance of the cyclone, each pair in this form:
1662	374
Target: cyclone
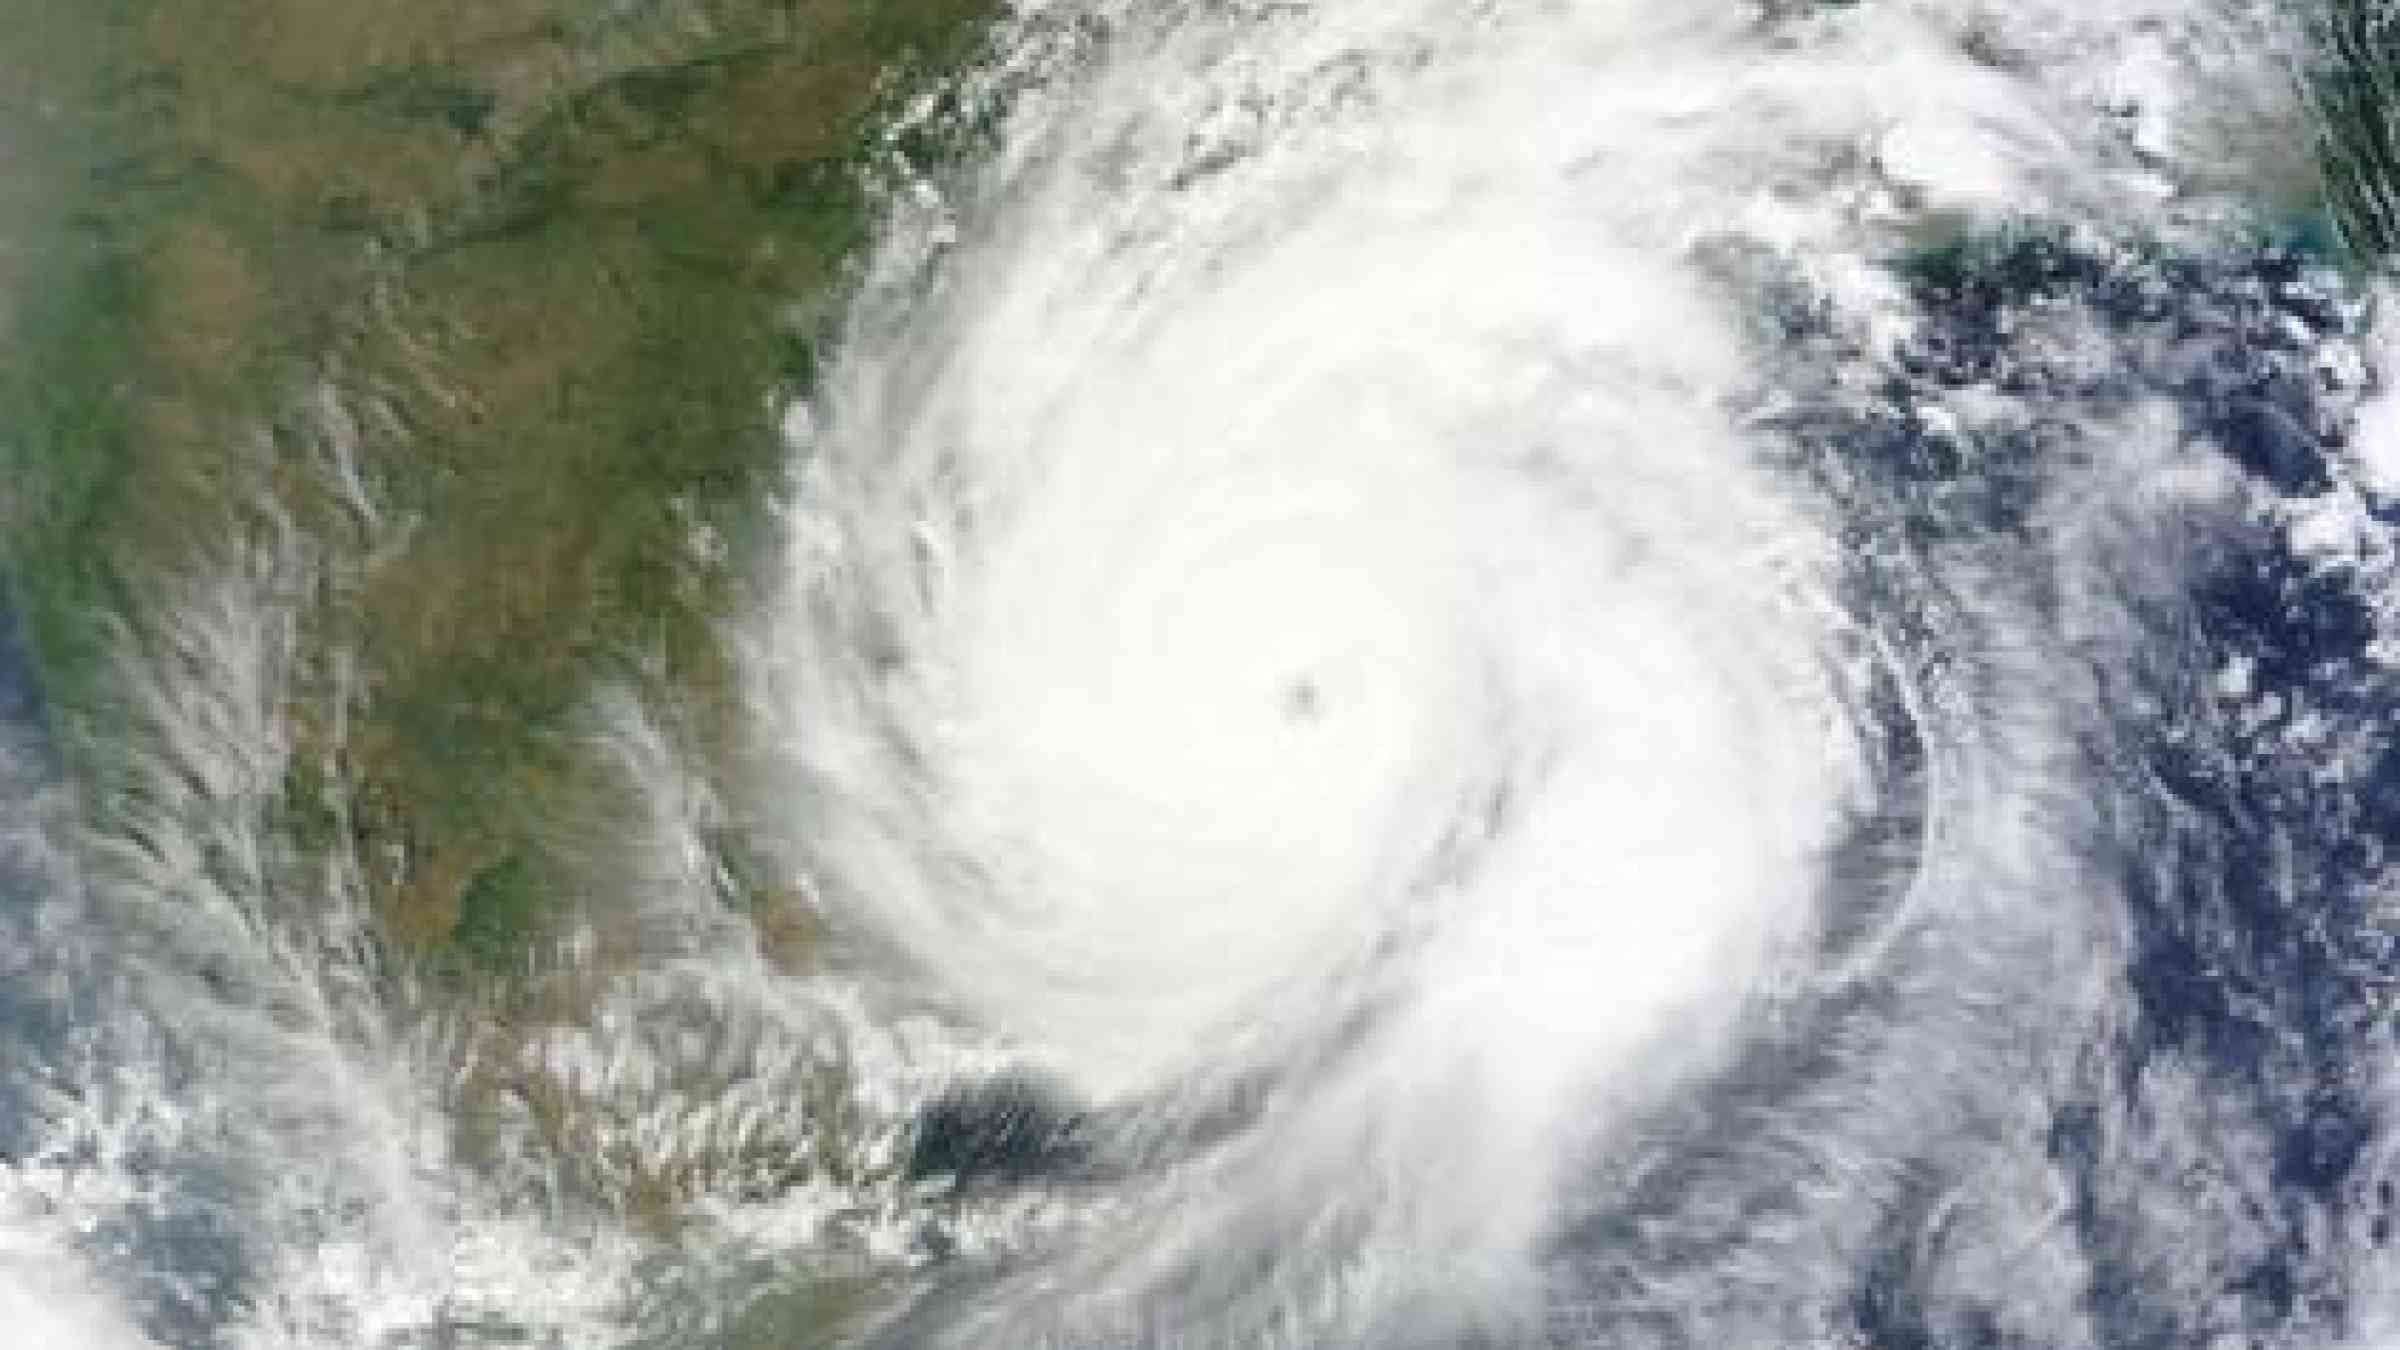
1370	697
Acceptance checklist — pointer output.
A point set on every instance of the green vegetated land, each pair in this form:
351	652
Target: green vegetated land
533	269
2355	87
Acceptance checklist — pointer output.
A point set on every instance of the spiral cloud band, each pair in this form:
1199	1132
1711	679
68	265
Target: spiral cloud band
1308	628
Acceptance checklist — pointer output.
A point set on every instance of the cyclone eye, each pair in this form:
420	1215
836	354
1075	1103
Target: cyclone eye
1303	701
